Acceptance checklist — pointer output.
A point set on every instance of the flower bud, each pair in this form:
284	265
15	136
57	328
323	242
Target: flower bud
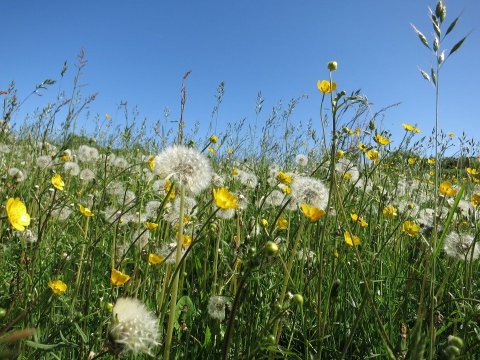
455	341
332	65
271	248
298	299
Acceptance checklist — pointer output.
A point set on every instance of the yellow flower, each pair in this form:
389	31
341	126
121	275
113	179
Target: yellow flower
282	223
311	212
411	161
411	128
17	213
446	189
390	211
58	287
85	211
212	150
381	140
169	190
359	220
475	200
350	239
451	134
108	116
235	171
213	139
347	130
151	162
224	199
431	161
285	189
154	259
284	178
358	131
150	225
229	151
410	228
362	147
373	155
347	176
65	157
186	241
118	278
340	154
264	223
58	182
324	86
472	171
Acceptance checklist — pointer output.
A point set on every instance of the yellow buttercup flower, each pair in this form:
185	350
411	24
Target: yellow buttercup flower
85	211
410	228
451	134
362	147
359	220
284	178
118	278
431	161
282	223
224	199
390	211
324	86
213	139
412	161
475	200
186	241
151	162
311	212
212	150
58	287
411	128
351	239
373	155
340	154
264	223
168	189
58	182
17	214
150	225
446	189
154	259
381	140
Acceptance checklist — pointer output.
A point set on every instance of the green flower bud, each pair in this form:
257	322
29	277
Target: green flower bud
455	341
452	351
332	65
271	248
298	299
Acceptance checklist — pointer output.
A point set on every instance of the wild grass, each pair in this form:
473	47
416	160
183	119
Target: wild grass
288	244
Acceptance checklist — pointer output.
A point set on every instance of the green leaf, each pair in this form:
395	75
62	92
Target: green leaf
452	25
36	345
208	337
457	46
184	311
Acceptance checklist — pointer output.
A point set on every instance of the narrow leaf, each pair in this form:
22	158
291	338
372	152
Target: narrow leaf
452	25
457	46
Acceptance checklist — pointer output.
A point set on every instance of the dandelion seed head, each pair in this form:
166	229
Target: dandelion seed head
461	246
309	191
72	168
186	166
216	307
87	154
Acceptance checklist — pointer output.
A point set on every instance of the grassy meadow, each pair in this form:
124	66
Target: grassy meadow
149	241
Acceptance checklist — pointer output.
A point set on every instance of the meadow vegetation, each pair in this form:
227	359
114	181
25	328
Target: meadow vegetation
151	242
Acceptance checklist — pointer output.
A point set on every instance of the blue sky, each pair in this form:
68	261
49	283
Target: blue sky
138	52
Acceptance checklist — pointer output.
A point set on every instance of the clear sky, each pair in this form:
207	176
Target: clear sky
139	50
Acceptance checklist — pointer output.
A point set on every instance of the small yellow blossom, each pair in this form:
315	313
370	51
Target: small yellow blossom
311	212
284	178
229	151
285	189
58	287
411	128
235	171
373	155
390	211
282	223
169	189
411	160
451	134
347	130
410	228
65	157
381	140
446	189
85	211
362	147
213	139
359	220
347	176
154	259
212	150
472	171
431	161
224	199
475	199
350	239
151	162
108	116
186	241
17	213
150	225
324	86
118	278
57	182
340	154
264	223
358	131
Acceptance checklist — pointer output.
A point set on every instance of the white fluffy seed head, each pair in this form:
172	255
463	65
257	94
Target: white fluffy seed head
186	166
